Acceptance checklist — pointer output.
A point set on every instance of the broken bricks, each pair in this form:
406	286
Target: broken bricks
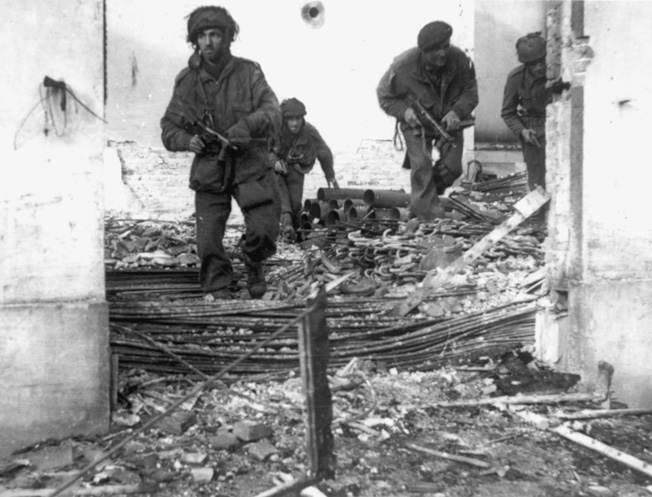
261	450
248	432
177	423
202	475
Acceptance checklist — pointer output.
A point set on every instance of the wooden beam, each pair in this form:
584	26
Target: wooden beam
604	449
524	208
313	353
524	399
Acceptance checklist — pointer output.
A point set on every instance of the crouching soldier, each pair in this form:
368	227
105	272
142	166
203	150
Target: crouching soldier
524	105
442	77
223	110
294	153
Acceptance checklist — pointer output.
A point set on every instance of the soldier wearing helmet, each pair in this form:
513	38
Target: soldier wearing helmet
231	96
442	77
294	153
524	105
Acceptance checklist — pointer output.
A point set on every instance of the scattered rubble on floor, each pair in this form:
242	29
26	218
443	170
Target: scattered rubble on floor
446	401
391	438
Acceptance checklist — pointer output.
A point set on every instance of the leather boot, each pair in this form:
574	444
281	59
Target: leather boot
256	283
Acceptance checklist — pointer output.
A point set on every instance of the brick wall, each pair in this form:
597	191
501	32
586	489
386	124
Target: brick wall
157	180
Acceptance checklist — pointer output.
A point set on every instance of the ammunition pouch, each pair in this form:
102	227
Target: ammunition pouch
254	193
209	174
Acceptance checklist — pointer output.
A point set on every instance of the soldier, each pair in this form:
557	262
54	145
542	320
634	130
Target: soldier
442	77
524	105
294	154
229	95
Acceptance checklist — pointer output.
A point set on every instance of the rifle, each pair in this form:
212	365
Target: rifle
444	140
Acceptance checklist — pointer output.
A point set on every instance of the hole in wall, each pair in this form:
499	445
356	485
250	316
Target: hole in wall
313	14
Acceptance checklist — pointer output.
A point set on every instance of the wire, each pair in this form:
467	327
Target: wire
53	88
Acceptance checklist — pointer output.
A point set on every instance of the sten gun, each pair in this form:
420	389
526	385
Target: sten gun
214	142
444	139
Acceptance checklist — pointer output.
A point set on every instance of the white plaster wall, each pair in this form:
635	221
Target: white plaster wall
54	340
334	70
617	173
610	294
50	186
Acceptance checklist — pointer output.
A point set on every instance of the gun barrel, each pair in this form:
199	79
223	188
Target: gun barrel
208	130
423	112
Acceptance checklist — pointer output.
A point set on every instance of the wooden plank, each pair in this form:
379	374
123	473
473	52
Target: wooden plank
314	354
604	449
524	399
605	413
524	208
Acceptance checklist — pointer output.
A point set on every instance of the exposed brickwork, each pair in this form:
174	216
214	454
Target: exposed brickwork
159	179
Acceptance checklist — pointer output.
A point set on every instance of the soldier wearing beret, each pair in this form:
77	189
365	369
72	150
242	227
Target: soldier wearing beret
524	105
442	78
294	153
229	95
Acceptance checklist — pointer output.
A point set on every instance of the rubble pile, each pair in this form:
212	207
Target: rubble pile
394	435
489	308
445	401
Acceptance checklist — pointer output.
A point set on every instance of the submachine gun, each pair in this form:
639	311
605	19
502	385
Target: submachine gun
214	142
443	139
218	145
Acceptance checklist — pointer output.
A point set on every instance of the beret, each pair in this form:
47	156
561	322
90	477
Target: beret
433	34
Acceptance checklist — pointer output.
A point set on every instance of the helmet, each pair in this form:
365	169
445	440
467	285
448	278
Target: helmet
211	17
293	107
531	47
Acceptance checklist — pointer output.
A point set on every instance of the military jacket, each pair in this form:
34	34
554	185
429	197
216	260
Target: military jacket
302	149
407	76
240	95
525	98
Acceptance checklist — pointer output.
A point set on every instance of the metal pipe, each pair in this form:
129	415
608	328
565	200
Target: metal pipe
386	198
339	194
392	213
355	213
334	203
320	209
353	202
334	217
307	202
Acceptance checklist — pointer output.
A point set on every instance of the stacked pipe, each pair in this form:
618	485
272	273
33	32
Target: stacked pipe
334	207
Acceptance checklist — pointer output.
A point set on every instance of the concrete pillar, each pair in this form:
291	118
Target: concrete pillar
54	348
599	234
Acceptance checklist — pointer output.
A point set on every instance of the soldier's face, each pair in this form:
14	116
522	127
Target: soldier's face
294	124
537	68
437	56
211	44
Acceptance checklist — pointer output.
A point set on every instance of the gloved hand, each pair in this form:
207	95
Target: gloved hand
238	135
332	181
410	117
451	121
279	167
